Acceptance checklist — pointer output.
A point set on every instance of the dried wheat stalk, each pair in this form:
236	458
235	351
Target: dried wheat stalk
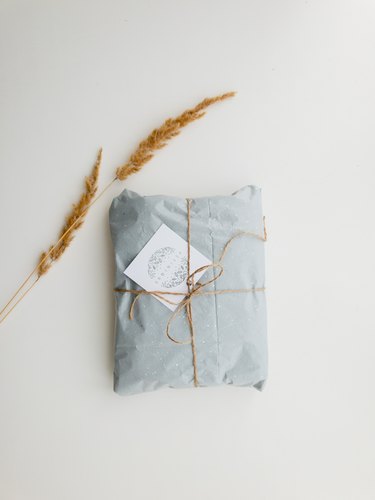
144	152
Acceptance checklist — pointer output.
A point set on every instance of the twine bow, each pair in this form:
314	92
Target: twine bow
194	289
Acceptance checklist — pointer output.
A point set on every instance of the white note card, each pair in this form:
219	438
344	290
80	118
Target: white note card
162	265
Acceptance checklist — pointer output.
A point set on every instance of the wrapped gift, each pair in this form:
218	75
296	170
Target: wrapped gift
189	290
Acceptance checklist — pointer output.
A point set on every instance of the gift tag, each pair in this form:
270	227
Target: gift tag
162	265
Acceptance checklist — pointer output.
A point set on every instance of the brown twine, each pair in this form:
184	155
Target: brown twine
194	289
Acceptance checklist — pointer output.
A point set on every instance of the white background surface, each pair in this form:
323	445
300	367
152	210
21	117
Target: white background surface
76	75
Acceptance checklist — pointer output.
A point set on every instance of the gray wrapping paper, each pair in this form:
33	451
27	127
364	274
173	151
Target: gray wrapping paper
230	329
